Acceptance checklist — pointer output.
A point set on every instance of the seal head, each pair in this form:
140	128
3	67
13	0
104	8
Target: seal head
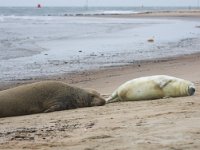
97	101
95	98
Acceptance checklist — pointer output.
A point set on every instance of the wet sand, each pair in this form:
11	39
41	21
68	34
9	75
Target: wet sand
171	123
68	44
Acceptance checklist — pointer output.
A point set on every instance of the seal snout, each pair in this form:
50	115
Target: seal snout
191	90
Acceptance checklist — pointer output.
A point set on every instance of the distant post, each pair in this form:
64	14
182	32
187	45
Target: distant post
86	5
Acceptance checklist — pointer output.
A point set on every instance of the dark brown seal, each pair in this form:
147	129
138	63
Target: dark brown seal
46	96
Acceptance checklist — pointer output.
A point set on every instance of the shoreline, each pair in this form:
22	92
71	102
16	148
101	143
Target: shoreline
160	14
79	78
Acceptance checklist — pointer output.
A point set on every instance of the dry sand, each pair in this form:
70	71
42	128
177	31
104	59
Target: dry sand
172	123
190	14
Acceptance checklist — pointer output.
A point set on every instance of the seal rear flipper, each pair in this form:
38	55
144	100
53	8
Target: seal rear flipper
113	100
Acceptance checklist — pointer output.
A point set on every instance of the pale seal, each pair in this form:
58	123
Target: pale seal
152	87
46	96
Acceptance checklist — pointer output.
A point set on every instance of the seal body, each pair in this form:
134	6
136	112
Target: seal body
46	96
152	87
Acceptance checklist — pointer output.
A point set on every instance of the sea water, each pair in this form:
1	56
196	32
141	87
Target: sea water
53	41
80	11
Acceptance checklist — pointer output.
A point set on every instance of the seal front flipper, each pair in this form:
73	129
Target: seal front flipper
165	97
55	107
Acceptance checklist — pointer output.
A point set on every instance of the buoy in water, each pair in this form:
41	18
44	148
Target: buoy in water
39	6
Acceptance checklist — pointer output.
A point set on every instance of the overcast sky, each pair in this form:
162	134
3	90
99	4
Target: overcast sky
100	2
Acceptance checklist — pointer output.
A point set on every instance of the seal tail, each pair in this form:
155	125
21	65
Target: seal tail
113	98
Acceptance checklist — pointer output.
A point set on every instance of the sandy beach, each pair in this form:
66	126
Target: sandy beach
170	124
190	13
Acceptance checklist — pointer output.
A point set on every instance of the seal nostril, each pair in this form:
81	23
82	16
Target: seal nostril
191	91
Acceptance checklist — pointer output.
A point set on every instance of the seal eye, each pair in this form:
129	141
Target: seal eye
191	90
92	96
